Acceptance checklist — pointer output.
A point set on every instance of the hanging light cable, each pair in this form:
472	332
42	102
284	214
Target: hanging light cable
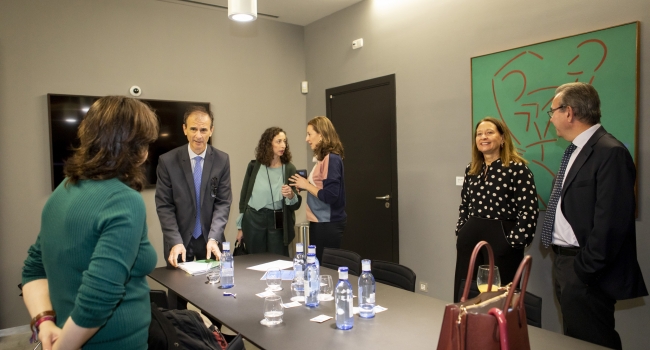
242	10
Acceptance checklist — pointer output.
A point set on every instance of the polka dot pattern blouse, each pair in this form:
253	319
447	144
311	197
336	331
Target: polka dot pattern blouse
502	194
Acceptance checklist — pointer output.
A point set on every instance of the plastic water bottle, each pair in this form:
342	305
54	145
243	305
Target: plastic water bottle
343	301
312	250
299	263
366	291
227	267
312	282
299	260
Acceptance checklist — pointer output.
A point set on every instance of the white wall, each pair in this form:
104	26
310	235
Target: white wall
250	74
428	45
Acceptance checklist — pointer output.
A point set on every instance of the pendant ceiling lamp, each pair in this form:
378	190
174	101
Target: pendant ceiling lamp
242	10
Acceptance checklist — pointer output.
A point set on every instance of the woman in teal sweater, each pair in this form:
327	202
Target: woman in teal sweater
267	203
85	277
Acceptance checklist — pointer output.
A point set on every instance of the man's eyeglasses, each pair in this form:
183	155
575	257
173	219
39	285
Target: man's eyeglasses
550	113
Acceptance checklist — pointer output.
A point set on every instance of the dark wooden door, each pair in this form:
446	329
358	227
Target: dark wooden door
363	114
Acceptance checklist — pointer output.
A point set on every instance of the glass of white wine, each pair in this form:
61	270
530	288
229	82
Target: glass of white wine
483	276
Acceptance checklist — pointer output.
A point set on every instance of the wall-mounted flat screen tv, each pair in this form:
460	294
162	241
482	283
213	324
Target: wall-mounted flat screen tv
66	112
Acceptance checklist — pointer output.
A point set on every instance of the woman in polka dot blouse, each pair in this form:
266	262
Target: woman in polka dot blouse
498	203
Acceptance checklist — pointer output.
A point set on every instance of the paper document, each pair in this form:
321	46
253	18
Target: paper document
265	294
280	264
287	275
321	318
291	304
199	267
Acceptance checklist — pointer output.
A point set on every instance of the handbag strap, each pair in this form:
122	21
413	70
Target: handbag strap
472	261
503	327
526	264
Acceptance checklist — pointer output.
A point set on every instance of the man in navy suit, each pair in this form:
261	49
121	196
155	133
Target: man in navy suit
591	220
193	224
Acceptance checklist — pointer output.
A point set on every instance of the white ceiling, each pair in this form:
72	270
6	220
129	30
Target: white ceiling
300	12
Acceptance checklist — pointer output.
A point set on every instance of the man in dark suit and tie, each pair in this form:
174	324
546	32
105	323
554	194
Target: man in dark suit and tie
590	220
193	194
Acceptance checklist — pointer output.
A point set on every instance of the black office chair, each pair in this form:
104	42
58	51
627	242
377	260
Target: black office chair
393	274
334	258
159	297
532	303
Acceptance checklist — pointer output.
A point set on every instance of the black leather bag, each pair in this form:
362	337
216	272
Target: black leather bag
240	249
184	329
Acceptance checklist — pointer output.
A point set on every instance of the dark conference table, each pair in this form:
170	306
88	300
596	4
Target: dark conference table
412	320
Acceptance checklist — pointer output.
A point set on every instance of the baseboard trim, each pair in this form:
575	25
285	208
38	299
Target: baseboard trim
15	330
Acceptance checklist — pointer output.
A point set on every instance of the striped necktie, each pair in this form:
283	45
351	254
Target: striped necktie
198	171
549	220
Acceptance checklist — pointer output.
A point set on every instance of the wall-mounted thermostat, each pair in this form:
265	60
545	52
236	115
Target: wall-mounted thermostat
357	44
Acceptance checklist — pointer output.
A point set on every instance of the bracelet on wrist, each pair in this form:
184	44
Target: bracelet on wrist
48	315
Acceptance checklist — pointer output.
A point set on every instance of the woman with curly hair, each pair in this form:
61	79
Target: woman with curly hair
85	277
267	204
498	203
326	186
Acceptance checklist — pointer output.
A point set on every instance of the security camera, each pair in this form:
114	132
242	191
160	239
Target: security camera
135	90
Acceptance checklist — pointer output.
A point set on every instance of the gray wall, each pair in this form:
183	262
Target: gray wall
250	74
428	45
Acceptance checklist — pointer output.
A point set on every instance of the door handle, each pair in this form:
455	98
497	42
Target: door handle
386	197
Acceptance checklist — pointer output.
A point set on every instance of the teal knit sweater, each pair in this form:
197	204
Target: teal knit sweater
94	251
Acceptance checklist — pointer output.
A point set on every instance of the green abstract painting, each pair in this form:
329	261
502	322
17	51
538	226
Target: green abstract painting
518	86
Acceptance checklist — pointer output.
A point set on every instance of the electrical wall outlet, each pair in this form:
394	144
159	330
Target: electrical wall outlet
424	287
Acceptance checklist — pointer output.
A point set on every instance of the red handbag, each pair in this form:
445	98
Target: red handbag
484	322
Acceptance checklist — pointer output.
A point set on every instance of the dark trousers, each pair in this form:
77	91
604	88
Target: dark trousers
260	234
587	313
326	235
195	250
506	258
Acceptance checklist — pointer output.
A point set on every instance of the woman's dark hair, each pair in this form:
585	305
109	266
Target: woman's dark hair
264	149
330	142
115	135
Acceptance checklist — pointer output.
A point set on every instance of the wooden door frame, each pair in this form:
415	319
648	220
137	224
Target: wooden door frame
367	84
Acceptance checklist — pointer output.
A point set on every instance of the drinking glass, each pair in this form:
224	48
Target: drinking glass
325	291
274	279
273	311
298	288
214	276
482	278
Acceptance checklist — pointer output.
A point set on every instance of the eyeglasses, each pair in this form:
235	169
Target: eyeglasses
550	113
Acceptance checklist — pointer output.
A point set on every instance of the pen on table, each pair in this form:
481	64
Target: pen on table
227	294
